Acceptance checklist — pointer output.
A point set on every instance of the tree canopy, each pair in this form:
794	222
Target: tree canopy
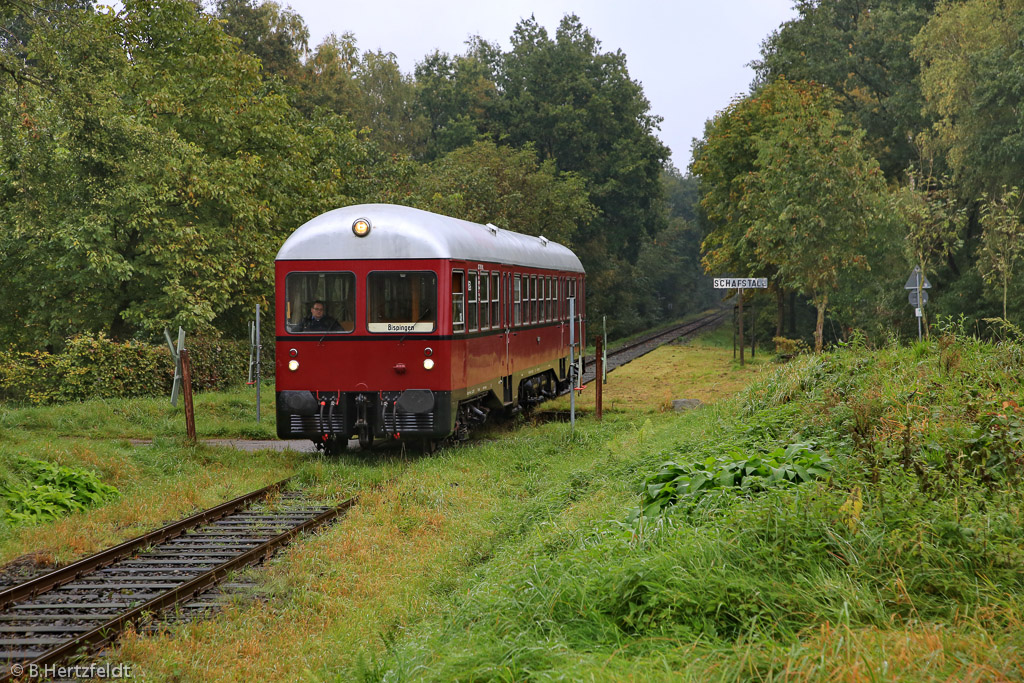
154	157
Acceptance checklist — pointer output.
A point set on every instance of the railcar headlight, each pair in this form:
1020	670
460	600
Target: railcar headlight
361	227
428	363
293	365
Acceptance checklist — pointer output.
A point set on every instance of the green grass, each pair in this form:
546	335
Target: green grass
906	563
137	446
516	556
218	414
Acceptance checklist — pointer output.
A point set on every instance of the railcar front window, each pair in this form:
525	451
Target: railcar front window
401	302
318	303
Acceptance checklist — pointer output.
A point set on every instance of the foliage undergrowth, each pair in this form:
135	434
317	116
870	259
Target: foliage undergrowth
675	482
51	491
895	515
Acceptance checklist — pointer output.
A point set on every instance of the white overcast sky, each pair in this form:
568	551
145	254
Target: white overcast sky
691	56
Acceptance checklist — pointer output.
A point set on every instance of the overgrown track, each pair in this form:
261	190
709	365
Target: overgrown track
87	604
638	347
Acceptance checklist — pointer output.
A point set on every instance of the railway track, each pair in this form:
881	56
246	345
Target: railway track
632	350
81	607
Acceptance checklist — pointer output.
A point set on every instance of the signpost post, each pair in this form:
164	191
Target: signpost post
254	358
917	283
739	284
572	365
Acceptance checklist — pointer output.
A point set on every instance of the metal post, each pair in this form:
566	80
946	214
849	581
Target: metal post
572	366
753	328
599	359
258	347
920	303
740	294
190	416
734	332
583	349
604	348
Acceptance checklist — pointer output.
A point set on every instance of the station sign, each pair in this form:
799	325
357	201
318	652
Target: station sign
741	283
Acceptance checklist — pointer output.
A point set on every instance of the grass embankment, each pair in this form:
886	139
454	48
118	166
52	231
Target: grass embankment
157	482
517	557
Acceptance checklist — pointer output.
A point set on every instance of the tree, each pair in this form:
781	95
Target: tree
1002	239
579	107
150	174
277	36
928	209
793	187
455	94
487	183
387	106
861	49
972	78
723	161
816	196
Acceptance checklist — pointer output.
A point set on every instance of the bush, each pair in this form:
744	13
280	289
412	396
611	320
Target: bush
93	366
53	491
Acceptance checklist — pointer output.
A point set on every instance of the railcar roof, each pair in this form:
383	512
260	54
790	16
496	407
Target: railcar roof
401	232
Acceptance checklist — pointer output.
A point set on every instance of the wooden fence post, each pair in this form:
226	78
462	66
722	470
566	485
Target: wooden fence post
190	416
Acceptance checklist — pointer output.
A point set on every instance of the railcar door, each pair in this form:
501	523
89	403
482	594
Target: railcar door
506	309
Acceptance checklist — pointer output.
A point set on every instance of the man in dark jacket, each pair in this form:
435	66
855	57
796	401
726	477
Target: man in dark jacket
318	320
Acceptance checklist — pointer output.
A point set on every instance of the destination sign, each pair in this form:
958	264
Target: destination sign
741	283
401	327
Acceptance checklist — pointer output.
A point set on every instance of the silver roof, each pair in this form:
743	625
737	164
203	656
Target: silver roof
401	232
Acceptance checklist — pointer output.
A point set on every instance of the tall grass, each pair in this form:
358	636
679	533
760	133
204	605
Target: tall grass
905	562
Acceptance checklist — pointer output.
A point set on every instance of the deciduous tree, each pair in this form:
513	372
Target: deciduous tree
972	77
1002	239
793	187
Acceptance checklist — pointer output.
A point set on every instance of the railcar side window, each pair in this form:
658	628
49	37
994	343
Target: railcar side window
532	298
485	300
401	301
517	297
318	303
472	289
495	300
572	295
458	303
551	301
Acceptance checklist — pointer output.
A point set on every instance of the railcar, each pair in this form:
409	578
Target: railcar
426	325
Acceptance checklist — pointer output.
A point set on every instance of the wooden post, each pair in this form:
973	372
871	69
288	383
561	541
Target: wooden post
190	416
599	360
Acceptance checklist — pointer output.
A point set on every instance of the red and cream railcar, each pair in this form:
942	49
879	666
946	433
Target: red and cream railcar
429	323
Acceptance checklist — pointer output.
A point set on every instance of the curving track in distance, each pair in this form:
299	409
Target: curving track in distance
630	351
86	605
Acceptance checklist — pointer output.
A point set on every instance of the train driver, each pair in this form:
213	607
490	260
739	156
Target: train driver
318	320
